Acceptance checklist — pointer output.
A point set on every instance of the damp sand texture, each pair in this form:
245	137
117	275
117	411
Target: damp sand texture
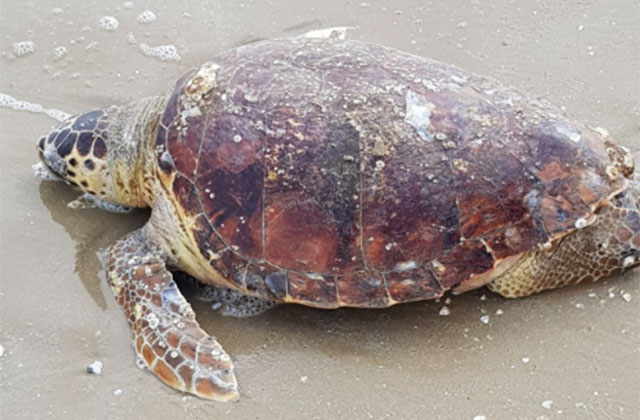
570	353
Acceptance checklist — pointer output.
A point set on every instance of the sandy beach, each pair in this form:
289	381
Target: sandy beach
573	353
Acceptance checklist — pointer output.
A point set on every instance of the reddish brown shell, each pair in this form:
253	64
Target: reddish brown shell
339	173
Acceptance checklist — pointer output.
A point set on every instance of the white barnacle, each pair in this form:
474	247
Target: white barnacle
531	199
237	138
379	164
203	81
568	133
153	320
192	112
628	261
174	354
460	165
430	85
439	267
461	80
225	357
440	136
581	223
185	309
180	325
418	114
612	172
405	266
147	271
215	352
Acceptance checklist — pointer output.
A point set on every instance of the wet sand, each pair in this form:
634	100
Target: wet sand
571	353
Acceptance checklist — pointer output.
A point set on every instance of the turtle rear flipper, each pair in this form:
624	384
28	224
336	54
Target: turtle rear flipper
166	334
607	247
228	301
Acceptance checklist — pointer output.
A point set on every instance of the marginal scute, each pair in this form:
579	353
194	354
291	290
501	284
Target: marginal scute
319	291
467	259
517	238
365	288
277	283
416	284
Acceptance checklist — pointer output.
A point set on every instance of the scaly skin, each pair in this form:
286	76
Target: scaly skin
166	335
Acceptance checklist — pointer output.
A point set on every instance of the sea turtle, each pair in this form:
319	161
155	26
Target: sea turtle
335	173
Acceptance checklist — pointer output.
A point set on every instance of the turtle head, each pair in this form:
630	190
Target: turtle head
76	152
107	153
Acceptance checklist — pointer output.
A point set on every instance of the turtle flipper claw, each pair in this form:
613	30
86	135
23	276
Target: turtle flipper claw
166	334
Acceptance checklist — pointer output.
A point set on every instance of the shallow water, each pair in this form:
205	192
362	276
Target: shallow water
577	347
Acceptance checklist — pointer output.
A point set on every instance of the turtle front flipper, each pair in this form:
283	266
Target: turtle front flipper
167	336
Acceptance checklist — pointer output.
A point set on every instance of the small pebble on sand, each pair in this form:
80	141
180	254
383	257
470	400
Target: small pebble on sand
525	360
626	297
303	379
95	368
1	351
479	417
444	311
499	312
547	404
117	392
484	319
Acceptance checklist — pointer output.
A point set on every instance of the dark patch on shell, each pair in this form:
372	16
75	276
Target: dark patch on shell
233	204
